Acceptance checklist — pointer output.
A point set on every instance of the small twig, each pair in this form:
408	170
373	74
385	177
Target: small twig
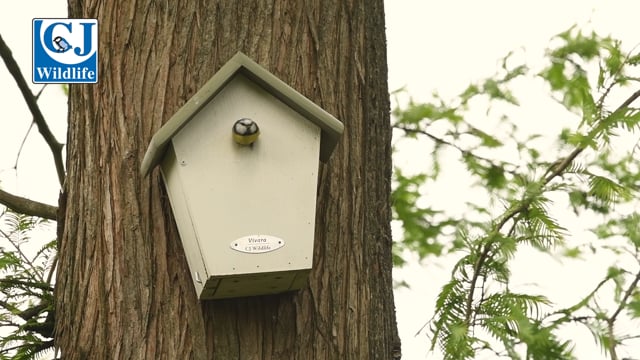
635	147
485	255
54	263
628	102
10	307
560	167
632	287
36	347
9	349
629	337
24	257
422	327
26	135
30	99
612	342
7	323
24	140
483	293
442	141
33	311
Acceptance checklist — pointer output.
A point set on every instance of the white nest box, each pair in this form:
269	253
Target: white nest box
245	212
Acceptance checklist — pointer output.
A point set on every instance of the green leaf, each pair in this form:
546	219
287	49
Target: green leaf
486	139
606	190
554	74
634	307
572	252
495	177
421	226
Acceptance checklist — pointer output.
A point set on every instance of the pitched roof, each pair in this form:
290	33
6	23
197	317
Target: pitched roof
331	128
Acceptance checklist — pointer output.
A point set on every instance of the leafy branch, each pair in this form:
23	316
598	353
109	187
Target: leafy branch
633	287
27	295
478	300
557	169
462	151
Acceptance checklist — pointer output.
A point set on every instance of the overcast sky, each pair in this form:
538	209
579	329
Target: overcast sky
432	45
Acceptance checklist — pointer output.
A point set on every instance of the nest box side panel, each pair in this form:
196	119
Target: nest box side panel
170	170
235	191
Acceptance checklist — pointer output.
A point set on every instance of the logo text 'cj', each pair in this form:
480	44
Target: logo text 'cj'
65	51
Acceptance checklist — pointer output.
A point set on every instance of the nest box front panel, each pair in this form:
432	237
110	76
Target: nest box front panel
260	197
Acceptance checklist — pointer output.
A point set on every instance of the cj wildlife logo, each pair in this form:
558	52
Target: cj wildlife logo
65	51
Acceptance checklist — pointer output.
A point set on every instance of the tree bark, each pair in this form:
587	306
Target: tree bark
123	286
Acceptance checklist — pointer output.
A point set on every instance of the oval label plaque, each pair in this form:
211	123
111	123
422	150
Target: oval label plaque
257	244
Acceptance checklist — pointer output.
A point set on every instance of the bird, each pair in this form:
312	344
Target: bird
245	131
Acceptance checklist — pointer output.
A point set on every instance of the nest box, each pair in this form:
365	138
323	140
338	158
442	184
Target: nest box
240	164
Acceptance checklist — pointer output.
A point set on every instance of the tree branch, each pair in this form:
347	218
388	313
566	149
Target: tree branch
27	284
28	207
632	287
30	99
559	168
441	141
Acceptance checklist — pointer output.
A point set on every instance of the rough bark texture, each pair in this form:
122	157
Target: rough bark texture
123	288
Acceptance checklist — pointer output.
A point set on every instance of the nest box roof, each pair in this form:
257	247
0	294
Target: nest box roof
331	128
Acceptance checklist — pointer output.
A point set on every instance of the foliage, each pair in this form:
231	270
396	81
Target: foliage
27	313
26	289
528	182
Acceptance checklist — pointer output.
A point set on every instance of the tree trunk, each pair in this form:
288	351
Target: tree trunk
123	286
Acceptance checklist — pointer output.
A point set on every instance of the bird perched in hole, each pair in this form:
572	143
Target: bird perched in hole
245	131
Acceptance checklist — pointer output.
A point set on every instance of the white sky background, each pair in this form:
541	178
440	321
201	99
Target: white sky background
432	45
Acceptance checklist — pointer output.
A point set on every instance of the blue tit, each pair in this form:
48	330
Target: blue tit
245	131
